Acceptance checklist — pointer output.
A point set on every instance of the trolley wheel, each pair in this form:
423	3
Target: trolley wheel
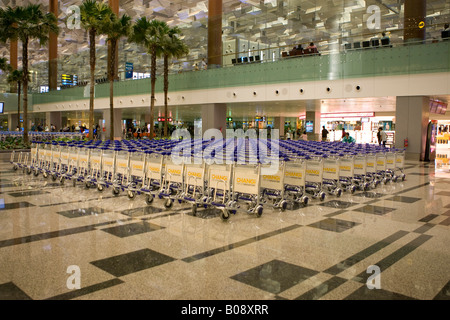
305	200
61	180
352	189
130	194
45	174
29	170
338	192
259	211
283	205
194	209
87	184
15	167
224	215
322	195
100	187
115	191
36	173
394	179
403	177
168	204
54	177
149	199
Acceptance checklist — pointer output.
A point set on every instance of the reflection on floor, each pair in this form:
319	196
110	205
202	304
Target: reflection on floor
126	249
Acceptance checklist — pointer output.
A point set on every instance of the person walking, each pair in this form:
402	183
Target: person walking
324	134
383	136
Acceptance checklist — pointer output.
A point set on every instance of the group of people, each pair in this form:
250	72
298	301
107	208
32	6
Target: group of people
381	136
41	128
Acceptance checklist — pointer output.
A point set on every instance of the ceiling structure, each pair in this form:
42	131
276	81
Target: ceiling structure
274	23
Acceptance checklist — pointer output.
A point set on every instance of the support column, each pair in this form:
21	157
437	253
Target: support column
13	121
53	52
412	115
13	54
415	13
315	118
114	5
215	33
214	116
278	123
118	134
54	118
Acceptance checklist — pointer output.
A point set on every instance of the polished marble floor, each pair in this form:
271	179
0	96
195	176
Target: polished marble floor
125	249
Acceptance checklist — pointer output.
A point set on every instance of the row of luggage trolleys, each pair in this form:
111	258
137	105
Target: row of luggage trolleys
231	188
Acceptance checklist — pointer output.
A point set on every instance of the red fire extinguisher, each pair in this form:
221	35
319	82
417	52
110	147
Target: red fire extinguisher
406	142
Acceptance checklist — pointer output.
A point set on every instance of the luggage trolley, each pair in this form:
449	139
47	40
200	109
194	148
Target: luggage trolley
95	167
314	177
219	193
390	165
136	174
40	159
294	181
121	169
66	169
399	164
82	165
331	165
33	158
371	170
246	188
346	172
47	160
22	160
272	186
194	185
153	175
172	183
108	166
360	172
56	161
63	163
383	175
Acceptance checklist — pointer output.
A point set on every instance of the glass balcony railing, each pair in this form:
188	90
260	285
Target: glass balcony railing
362	56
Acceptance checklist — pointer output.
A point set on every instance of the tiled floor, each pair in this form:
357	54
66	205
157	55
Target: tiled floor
125	249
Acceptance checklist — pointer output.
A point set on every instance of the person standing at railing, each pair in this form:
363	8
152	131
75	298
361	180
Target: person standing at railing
446	32
203	64
385	40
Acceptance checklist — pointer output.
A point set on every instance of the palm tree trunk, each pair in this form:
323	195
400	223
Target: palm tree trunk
18	102
166	90
92	84
112	75
25	89
153	82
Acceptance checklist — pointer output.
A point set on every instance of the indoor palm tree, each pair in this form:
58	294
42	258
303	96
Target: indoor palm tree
114	28
26	24
92	14
172	47
150	33
16	77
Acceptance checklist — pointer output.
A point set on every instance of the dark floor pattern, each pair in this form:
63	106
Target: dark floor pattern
274	276
128	230
131	262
